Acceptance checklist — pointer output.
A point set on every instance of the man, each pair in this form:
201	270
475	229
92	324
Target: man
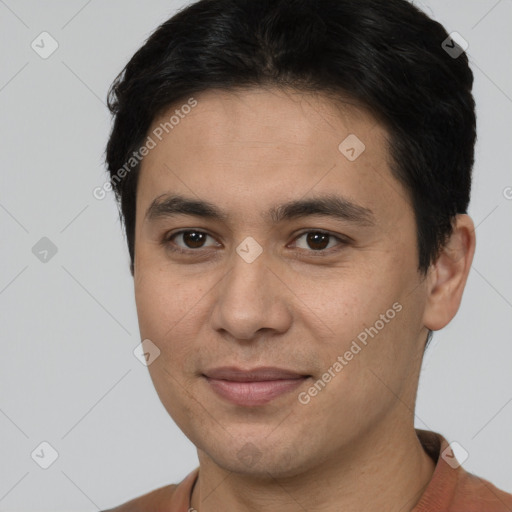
294	176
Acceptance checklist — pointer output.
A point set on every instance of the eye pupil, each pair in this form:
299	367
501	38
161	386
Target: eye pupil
193	239
315	238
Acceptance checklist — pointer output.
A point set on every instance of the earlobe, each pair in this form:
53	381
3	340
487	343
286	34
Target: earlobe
448	275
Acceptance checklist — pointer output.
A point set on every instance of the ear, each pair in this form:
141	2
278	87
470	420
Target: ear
448	275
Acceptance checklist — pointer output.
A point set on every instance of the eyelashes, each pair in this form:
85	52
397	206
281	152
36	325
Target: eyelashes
197	237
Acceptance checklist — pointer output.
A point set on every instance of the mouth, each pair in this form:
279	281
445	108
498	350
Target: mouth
253	387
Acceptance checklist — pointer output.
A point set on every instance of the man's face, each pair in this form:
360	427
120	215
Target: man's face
299	304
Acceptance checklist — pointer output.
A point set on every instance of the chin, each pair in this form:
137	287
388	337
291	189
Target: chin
258	459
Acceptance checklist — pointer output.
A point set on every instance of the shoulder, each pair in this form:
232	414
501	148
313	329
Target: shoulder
152	501
476	493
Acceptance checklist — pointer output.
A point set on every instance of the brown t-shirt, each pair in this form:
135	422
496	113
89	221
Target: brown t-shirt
451	488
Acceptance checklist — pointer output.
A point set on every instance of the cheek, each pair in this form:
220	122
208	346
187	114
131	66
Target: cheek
171	311
366	318
346	302
165	309
162	302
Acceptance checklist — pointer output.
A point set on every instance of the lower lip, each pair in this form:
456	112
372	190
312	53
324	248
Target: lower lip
253	393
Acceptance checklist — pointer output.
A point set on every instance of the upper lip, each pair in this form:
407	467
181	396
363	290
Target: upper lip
252	375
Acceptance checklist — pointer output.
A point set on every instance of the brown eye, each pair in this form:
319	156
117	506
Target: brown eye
318	241
186	240
194	239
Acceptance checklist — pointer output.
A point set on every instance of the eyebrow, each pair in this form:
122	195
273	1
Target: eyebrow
335	206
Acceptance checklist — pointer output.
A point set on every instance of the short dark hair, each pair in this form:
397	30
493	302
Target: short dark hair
385	55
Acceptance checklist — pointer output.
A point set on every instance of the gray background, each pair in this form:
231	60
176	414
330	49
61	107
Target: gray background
68	375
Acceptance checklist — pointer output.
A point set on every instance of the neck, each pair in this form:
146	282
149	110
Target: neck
386	470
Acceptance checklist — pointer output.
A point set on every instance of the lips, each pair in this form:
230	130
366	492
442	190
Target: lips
255	375
253	387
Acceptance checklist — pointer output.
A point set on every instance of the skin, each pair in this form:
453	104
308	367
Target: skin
353	447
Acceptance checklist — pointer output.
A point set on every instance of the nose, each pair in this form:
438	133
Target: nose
251	298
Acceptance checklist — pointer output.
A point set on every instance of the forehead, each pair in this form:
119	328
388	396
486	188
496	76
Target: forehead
246	146
271	114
